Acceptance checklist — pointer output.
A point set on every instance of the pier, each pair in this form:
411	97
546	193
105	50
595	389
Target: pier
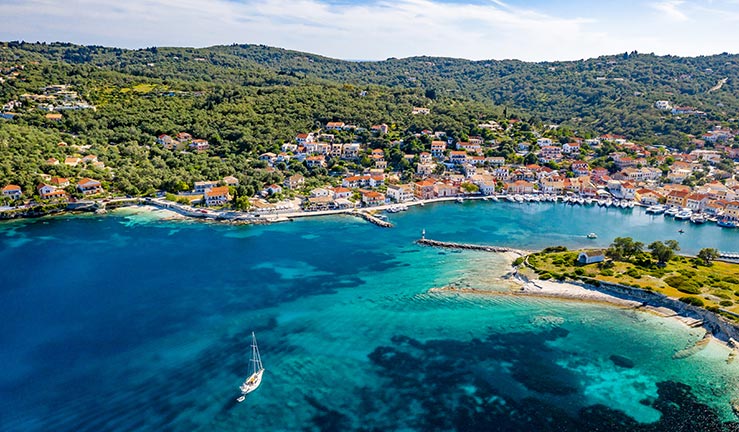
450	245
373	219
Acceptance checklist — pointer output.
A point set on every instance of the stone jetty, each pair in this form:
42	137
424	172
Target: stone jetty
373	219
485	248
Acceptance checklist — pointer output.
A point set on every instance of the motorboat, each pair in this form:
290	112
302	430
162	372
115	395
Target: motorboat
656	209
698	219
683	214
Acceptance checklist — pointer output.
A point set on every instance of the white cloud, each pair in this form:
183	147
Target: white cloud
671	10
374	30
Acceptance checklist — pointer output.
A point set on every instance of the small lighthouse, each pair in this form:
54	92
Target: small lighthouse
423	234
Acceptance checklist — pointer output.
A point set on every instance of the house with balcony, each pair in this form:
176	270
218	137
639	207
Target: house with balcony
89	186
400	193
202	186
216	196
48	192
458	157
424	189
372	198
437	149
677	198
12	191
294	182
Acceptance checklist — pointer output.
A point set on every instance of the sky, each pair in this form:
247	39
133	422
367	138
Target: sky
534	30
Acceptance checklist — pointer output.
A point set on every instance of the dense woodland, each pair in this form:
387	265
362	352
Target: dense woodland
247	99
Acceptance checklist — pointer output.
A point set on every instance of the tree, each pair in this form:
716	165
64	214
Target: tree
470	187
242	203
707	255
663	252
623	248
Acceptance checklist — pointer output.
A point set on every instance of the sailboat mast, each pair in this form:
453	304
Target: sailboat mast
254	354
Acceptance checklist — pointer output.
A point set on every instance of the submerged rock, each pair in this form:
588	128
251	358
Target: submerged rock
621	361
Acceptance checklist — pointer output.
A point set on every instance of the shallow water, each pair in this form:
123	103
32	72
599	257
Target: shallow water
127	322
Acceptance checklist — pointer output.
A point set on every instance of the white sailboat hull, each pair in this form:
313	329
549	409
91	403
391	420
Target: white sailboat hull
251	384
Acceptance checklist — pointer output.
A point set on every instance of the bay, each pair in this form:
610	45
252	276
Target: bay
130	322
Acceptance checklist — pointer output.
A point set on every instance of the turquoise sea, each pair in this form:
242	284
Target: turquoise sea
128	322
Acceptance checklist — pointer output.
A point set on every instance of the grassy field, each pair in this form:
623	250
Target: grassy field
716	285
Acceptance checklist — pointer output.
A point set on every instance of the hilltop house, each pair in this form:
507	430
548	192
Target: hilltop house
183	137
437	149
72	161
294	181
230	181
165	140
334	125
60	182
199	145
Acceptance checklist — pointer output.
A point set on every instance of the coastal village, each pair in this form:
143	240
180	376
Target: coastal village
605	170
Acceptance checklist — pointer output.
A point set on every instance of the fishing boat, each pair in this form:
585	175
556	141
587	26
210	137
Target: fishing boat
726	223
460	200
257	370
592	236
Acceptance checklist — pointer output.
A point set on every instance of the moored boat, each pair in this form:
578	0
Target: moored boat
726	223
698	218
255	379
656	209
671	211
683	214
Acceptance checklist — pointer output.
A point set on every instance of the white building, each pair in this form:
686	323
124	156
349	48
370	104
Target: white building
400	193
663	105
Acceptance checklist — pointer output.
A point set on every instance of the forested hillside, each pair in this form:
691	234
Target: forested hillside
606	94
242	108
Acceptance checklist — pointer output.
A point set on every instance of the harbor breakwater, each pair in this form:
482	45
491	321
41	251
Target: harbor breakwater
467	246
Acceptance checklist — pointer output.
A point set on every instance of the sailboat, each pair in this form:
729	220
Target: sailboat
257	369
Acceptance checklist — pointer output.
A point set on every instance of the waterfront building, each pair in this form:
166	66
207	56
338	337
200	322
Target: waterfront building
12	191
216	196
424	189
89	186
202	186
400	193
372	198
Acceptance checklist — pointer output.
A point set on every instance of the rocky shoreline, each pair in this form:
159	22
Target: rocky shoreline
717	327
